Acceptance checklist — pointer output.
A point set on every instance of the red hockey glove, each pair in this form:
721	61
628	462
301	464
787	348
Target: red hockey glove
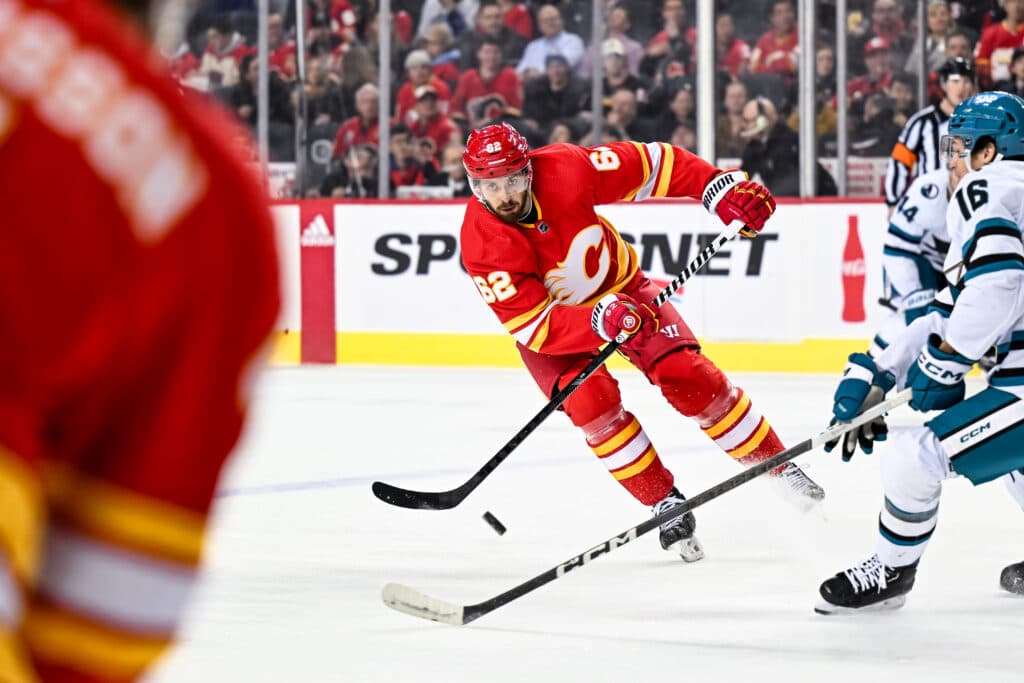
734	198
620	318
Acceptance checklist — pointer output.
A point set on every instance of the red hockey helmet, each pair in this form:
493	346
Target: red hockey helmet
495	151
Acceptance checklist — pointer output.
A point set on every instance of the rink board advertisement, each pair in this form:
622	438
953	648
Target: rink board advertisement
800	297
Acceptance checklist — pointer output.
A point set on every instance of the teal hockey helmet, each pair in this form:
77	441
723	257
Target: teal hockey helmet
995	114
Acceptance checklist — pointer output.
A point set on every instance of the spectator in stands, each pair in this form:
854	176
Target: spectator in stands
673	45
430	122
994	51
617	75
680	112
776	51
670	52
420	71
515	15
184	66
444	56
222	58
321	41
553	40
879	74
371	41
958	44
1015	83
355	176
488	25
684	136
561	132
457	15
351	65
940	26
773	151
618	26
323	94
453	173
973	16
362	128
492	111
406	169
886	23
875	133
490	78
338	16
732	55
243	97
624	123
281	50
825	75
902	91
557	94
729	125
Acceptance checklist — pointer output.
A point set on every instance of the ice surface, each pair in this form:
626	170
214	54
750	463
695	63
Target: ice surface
300	549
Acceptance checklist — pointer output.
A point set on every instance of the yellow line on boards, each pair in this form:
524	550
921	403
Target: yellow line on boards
484	350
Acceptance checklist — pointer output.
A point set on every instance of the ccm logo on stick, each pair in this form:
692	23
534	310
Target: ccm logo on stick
596	551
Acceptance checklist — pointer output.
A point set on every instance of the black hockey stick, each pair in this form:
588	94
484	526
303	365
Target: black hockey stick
412	601
444	500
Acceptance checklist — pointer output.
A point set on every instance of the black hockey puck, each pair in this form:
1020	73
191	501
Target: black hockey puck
498	527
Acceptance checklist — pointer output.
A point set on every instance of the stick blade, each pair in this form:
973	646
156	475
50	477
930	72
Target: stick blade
414	500
413	602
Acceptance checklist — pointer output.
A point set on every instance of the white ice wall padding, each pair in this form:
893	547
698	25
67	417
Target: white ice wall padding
286	227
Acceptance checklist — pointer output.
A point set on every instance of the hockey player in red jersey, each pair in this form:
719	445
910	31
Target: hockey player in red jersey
563	282
138	282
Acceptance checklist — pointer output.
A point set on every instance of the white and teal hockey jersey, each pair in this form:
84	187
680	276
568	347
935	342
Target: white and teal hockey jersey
983	307
916	243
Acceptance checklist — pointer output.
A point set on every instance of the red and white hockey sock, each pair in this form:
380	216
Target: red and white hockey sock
620	443
740	430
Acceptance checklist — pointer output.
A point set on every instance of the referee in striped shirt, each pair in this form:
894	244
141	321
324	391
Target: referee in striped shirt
917	149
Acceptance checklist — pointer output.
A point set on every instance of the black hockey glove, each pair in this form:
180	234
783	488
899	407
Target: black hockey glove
863	386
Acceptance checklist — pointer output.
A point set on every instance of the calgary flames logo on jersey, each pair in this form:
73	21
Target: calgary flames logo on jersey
583	270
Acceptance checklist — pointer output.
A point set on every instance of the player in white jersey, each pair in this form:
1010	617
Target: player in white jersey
915	247
982	437
912	257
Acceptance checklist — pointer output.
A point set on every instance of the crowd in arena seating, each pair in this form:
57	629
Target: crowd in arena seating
459	64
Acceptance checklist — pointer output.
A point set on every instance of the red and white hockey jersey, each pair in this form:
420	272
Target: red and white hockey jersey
542	277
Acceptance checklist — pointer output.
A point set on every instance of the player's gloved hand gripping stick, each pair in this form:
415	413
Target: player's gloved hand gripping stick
444	500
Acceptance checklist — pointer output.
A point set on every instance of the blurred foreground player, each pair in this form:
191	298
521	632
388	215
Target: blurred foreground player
563	282
137	284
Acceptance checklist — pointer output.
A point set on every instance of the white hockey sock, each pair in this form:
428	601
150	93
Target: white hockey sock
913	468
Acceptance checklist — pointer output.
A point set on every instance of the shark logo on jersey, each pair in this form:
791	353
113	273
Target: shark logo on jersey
930	191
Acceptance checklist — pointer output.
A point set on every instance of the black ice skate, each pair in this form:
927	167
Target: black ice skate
869	586
678	531
1012	578
796	487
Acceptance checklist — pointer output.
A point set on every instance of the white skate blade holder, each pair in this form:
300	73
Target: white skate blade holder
831	610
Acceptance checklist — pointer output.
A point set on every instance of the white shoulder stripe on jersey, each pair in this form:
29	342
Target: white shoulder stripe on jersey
114	585
654	149
10	598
